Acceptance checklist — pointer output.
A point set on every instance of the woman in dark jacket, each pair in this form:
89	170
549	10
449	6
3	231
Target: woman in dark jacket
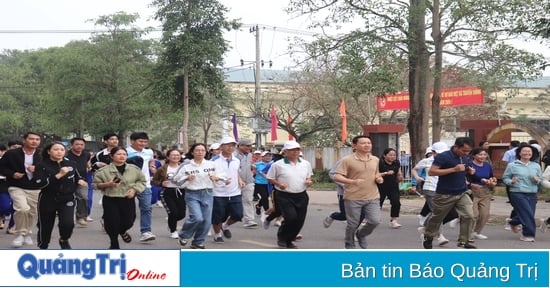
57	196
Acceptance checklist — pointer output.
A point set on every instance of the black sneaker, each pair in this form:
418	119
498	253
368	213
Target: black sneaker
219	240
227	234
281	244
64	244
258	210
427	243
466	245
197	246
291	245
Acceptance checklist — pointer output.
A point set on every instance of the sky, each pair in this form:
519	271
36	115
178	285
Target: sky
269	15
40	15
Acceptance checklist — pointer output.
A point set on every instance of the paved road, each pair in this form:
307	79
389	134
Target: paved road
315	235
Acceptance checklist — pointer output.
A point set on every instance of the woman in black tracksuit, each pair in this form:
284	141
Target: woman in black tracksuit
57	197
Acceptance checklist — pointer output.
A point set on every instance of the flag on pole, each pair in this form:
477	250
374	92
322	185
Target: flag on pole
344	120
274	121
235	131
288	122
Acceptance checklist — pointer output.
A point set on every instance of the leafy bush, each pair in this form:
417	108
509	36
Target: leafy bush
321	176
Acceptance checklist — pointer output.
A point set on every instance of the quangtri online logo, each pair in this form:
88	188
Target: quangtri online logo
29	266
96	267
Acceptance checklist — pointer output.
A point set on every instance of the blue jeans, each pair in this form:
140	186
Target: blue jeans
525	205
199	207
145	210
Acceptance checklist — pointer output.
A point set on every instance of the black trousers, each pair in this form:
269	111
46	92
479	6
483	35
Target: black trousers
119	215
173	201
391	193
261	189
48	209
293	207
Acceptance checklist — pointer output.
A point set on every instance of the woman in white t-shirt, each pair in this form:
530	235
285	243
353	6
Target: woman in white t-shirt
171	196
198	175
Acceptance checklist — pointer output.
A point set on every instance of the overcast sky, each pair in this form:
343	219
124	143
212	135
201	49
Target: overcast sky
73	15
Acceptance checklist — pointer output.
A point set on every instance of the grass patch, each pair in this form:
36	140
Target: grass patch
323	186
500	190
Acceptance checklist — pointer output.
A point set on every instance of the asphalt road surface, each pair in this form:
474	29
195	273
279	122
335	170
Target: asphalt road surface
315	236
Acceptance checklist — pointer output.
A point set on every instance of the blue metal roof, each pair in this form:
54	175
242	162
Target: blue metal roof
246	75
542	82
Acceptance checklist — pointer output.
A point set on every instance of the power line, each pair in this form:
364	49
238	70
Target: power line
155	29
67	31
283	29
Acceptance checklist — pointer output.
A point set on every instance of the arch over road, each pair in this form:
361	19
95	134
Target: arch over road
536	132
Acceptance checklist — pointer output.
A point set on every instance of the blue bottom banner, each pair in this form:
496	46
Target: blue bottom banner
371	268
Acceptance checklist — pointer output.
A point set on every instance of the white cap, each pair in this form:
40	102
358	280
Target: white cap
291	145
228	140
214	146
536	146
265	153
428	150
257	152
439	147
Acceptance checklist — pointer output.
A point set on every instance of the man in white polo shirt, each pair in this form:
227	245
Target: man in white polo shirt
291	176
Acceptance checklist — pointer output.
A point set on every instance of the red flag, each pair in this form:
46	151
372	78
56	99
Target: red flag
288	122
274	121
235	131
344	120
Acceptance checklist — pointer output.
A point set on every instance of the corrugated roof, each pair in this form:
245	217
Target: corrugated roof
542	82
246	75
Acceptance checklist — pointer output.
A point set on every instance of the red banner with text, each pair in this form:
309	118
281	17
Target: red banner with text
450	97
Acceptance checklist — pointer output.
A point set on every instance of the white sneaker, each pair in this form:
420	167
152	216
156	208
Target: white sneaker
527	239
453	223
394	224
159	204
89	219
174	235
147	236
250	224
441	240
421	230
28	240
18	241
421	219
278	223
479	236
327	222
507	225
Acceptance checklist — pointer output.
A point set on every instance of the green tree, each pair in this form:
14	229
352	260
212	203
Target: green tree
462	29
193	49
103	85
21	94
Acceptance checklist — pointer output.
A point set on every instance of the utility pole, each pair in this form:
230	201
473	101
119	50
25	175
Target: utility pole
257	95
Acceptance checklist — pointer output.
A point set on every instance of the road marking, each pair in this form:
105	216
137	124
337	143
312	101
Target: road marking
257	243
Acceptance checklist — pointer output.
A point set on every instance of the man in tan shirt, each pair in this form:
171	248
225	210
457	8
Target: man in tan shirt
359	174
